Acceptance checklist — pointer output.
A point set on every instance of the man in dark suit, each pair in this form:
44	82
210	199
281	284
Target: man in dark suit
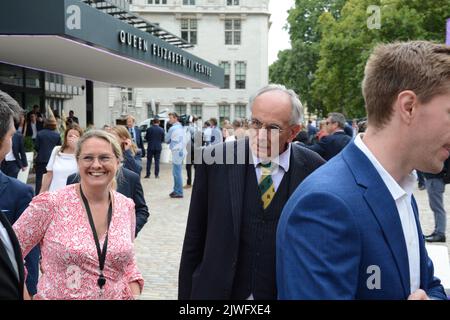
11	263
71	118
136	136
154	136
16	160
46	140
229	245
336	140
128	184
351	230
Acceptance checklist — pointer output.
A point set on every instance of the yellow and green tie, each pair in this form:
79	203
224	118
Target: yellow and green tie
265	185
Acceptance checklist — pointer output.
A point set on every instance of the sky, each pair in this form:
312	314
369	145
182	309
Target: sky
278	38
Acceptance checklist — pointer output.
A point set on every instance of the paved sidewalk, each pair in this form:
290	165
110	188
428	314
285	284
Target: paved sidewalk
158	246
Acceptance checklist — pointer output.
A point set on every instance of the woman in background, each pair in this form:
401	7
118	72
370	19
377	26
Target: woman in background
62	162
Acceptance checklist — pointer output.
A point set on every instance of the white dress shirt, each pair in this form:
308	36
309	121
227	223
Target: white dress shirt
281	167
401	193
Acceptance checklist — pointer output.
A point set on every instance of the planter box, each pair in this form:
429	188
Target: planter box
23	175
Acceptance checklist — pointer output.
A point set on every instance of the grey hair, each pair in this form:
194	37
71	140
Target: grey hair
9	112
296	105
338	118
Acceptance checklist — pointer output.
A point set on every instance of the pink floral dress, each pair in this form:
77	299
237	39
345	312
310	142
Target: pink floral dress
70	268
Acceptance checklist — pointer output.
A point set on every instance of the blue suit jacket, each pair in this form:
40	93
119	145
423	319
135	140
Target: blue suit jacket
340	223
154	136
46	140
139	142
331	145
18	150
14	197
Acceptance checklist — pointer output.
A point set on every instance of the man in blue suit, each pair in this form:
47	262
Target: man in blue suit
351	230
154	136
136	136
336	140
16	160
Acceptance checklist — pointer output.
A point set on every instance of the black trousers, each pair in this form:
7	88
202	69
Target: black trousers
10	168
150	155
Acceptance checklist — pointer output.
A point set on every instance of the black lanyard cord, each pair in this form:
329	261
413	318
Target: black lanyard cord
101	253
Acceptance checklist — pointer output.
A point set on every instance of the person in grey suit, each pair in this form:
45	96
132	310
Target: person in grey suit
229	245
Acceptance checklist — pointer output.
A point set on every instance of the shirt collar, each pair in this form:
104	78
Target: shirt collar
281	160
397	191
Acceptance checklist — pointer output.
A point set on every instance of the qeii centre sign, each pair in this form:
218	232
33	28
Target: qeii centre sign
141	44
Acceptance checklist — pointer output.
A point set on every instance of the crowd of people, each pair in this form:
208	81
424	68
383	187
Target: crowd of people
321	211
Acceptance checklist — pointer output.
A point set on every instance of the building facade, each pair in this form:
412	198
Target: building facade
232	34
67	54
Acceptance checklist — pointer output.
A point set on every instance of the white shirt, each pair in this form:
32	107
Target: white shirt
62	165
10	156
281	167
34	129
7	244
401	193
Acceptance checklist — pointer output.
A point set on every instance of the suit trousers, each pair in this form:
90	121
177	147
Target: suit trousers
435	189
40	169
10	168
150	155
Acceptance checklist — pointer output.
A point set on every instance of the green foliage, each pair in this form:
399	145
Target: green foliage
28	144
331	43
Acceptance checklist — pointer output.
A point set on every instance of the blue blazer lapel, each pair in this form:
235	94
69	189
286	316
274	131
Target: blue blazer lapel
383	207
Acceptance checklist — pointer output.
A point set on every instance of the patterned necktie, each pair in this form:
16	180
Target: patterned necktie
132	134
265	185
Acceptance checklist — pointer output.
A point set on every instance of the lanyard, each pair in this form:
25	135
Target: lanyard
101	253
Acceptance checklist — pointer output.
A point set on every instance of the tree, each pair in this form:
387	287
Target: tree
296	68
331	42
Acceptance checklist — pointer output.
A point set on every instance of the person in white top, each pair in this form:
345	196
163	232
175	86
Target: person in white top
62	162
352	230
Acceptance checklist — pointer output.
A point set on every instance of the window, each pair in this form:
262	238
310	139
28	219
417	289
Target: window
180	108
189	2
225	65
232	31
240	70
157	1
224	113
150	111
189	30
240	111
232	2
196	110
130	94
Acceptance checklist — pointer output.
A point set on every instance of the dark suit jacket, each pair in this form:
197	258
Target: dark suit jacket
331	145
46	140
18	150
212	239
340	231
14	198
139	142
39	127
128	184
154	136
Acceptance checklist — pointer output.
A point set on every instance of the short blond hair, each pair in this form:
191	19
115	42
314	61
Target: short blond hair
419	66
